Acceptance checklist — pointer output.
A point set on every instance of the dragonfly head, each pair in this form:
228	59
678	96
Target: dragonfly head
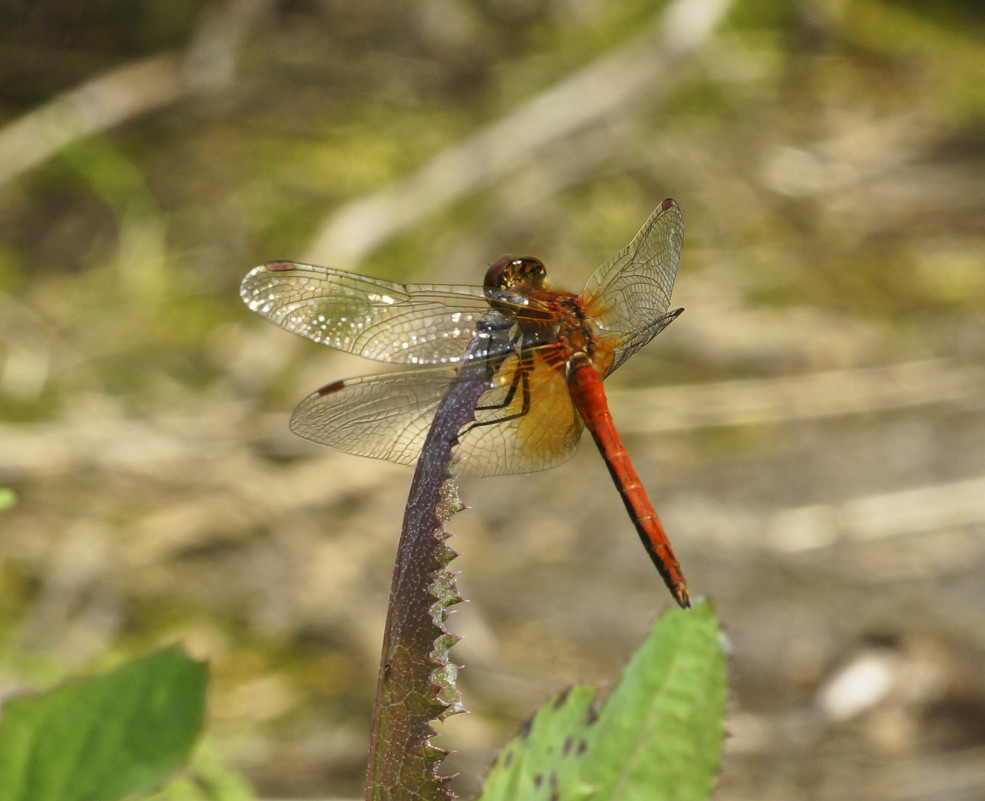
511	274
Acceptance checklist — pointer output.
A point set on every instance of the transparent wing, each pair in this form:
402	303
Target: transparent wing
388	416
376	319
509	440
628	296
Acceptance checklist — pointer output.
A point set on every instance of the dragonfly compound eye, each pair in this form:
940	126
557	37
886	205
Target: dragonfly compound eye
532	271
510	273
495	275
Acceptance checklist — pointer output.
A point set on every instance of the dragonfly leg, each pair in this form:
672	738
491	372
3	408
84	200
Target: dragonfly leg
521	380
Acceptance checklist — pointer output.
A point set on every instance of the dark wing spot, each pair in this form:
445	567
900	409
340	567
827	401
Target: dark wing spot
328	389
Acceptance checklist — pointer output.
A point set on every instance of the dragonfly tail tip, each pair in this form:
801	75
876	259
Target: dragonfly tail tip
681	595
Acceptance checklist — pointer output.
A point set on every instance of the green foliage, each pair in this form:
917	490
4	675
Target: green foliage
208	778
658	735
7	498
105	736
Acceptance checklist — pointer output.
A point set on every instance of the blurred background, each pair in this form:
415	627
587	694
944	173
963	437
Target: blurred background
812	429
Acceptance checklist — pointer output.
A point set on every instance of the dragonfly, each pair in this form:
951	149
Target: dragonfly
545	351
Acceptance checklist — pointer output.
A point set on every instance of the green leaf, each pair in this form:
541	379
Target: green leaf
103	737
658	735
208	777
541	762
8	498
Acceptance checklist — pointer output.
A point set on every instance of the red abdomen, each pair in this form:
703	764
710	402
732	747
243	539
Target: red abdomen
585	386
